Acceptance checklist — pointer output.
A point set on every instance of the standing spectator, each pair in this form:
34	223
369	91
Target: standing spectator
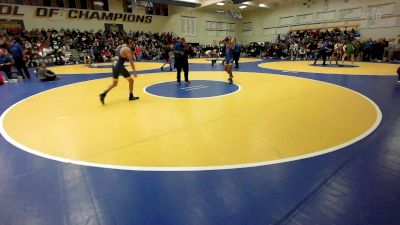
17	53
96	51
367	50
358	51
236	54
382	49
396	51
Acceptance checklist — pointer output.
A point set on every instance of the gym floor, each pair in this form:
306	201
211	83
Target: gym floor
287	143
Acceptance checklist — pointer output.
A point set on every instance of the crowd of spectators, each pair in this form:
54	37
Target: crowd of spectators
300	45
66	46
74	46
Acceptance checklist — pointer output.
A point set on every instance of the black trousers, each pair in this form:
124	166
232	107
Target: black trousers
7	71
182	64
20	65
236	56
323	55
49	78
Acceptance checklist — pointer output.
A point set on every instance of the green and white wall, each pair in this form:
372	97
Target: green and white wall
376	18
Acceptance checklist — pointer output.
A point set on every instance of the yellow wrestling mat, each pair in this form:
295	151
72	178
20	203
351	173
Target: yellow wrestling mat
271	119
208	60
102	68
364	68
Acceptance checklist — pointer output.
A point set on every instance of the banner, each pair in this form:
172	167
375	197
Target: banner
76	14
13	25
113	27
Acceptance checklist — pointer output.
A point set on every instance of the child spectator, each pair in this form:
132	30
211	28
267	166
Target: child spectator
45	74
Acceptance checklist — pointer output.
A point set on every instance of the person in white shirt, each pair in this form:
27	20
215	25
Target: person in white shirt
337	52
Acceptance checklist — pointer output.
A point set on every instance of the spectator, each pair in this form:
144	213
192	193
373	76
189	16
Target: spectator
236	53
45	74
17	53
396	51
6	63
398	74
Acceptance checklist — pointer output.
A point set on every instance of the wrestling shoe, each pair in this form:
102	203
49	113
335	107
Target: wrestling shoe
132	98
102	97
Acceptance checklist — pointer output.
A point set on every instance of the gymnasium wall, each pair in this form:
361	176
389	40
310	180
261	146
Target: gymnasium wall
182	21
377	18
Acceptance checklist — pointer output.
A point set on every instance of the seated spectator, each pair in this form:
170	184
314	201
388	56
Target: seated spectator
59	59
302	53
45	74
72	60
106	55
85	58
6	63
212	53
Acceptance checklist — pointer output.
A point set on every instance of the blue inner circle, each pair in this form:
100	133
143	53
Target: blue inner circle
196	89
334	65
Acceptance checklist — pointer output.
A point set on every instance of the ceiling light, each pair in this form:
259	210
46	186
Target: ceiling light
190	1
242	6
220	3
247	3
98	3
262	5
